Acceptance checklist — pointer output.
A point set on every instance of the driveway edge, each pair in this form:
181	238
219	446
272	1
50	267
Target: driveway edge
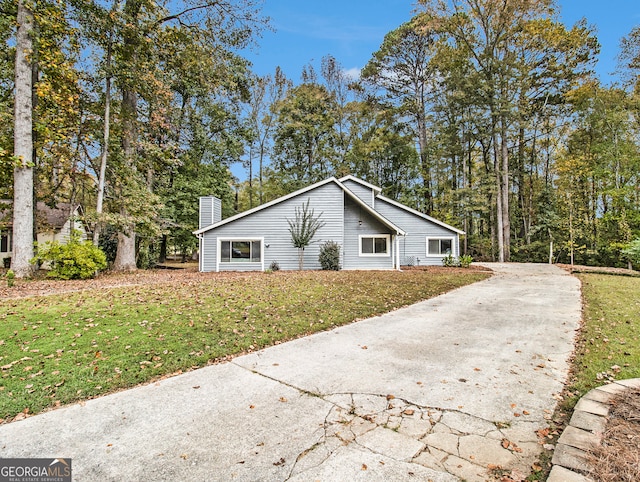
585	430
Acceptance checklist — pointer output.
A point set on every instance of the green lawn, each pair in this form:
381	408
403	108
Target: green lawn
73	346
609	344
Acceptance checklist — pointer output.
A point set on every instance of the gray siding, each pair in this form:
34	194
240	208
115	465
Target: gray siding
210	211
364	193
414	245
271	225
358	222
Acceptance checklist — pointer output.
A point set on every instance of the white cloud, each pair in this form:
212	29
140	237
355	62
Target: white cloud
353	73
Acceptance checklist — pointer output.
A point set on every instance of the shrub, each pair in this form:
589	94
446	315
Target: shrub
450	261
274	266
465	260
75	260
330	256
11	276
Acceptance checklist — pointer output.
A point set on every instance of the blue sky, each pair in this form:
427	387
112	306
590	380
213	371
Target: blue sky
351	30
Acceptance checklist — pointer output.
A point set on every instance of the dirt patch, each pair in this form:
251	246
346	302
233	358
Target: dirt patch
599	269
617	459
41	286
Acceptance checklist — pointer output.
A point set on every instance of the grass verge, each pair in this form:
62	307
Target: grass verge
68	347
607	348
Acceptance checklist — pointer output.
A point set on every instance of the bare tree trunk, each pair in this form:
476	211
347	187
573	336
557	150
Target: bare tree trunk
506	221
105	148
23	148
499	206
126	251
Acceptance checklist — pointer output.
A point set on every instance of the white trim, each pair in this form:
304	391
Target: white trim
422	215
374	236
220	240
359	201
375	214
269	204
450	238
361	182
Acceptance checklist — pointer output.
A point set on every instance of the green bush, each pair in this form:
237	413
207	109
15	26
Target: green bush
330	256
465	261
76	259
450	261
632	251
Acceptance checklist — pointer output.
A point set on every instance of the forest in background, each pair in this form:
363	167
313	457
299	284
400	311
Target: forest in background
485	114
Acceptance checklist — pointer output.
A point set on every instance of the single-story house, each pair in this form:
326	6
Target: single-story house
373	232
52	224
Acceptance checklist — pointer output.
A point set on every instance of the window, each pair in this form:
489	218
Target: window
376	245
5	242
439	246
233	251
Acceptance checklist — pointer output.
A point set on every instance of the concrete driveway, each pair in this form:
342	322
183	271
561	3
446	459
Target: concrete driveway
448	389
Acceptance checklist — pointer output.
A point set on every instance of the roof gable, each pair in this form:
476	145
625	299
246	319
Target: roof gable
282	199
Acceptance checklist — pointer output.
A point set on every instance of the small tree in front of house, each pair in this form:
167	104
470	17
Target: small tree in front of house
303	228
632	253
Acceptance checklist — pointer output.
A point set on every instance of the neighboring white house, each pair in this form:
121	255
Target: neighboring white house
374	232
52	224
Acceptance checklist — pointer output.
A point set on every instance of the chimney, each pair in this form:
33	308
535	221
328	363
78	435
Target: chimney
210	211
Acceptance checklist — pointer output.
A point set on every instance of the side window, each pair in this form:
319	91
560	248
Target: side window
374	245
439	246
234	251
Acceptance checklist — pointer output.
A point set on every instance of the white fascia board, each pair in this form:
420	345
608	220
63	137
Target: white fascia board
372	211
422	215
377	189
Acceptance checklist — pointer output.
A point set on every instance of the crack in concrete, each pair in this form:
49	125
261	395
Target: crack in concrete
350	418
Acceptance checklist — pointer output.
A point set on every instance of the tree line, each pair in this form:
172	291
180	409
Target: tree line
483	113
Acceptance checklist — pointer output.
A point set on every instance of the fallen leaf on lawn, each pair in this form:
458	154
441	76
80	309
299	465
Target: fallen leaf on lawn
408	411
477	370
390	397
283	400
524	412
279	462
505	443
364	466
364	347
184	456
252	407
196	387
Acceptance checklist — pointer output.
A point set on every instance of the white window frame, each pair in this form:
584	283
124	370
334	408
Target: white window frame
450	238
387	237
239	239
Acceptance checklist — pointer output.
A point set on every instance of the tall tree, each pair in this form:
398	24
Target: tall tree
23	146
517	53
402	68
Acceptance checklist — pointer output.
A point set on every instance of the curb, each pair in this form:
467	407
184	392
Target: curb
585	429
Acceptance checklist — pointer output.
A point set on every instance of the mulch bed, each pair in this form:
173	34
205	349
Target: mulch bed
617	459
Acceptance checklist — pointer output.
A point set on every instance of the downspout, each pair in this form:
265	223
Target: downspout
398	252
200	252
